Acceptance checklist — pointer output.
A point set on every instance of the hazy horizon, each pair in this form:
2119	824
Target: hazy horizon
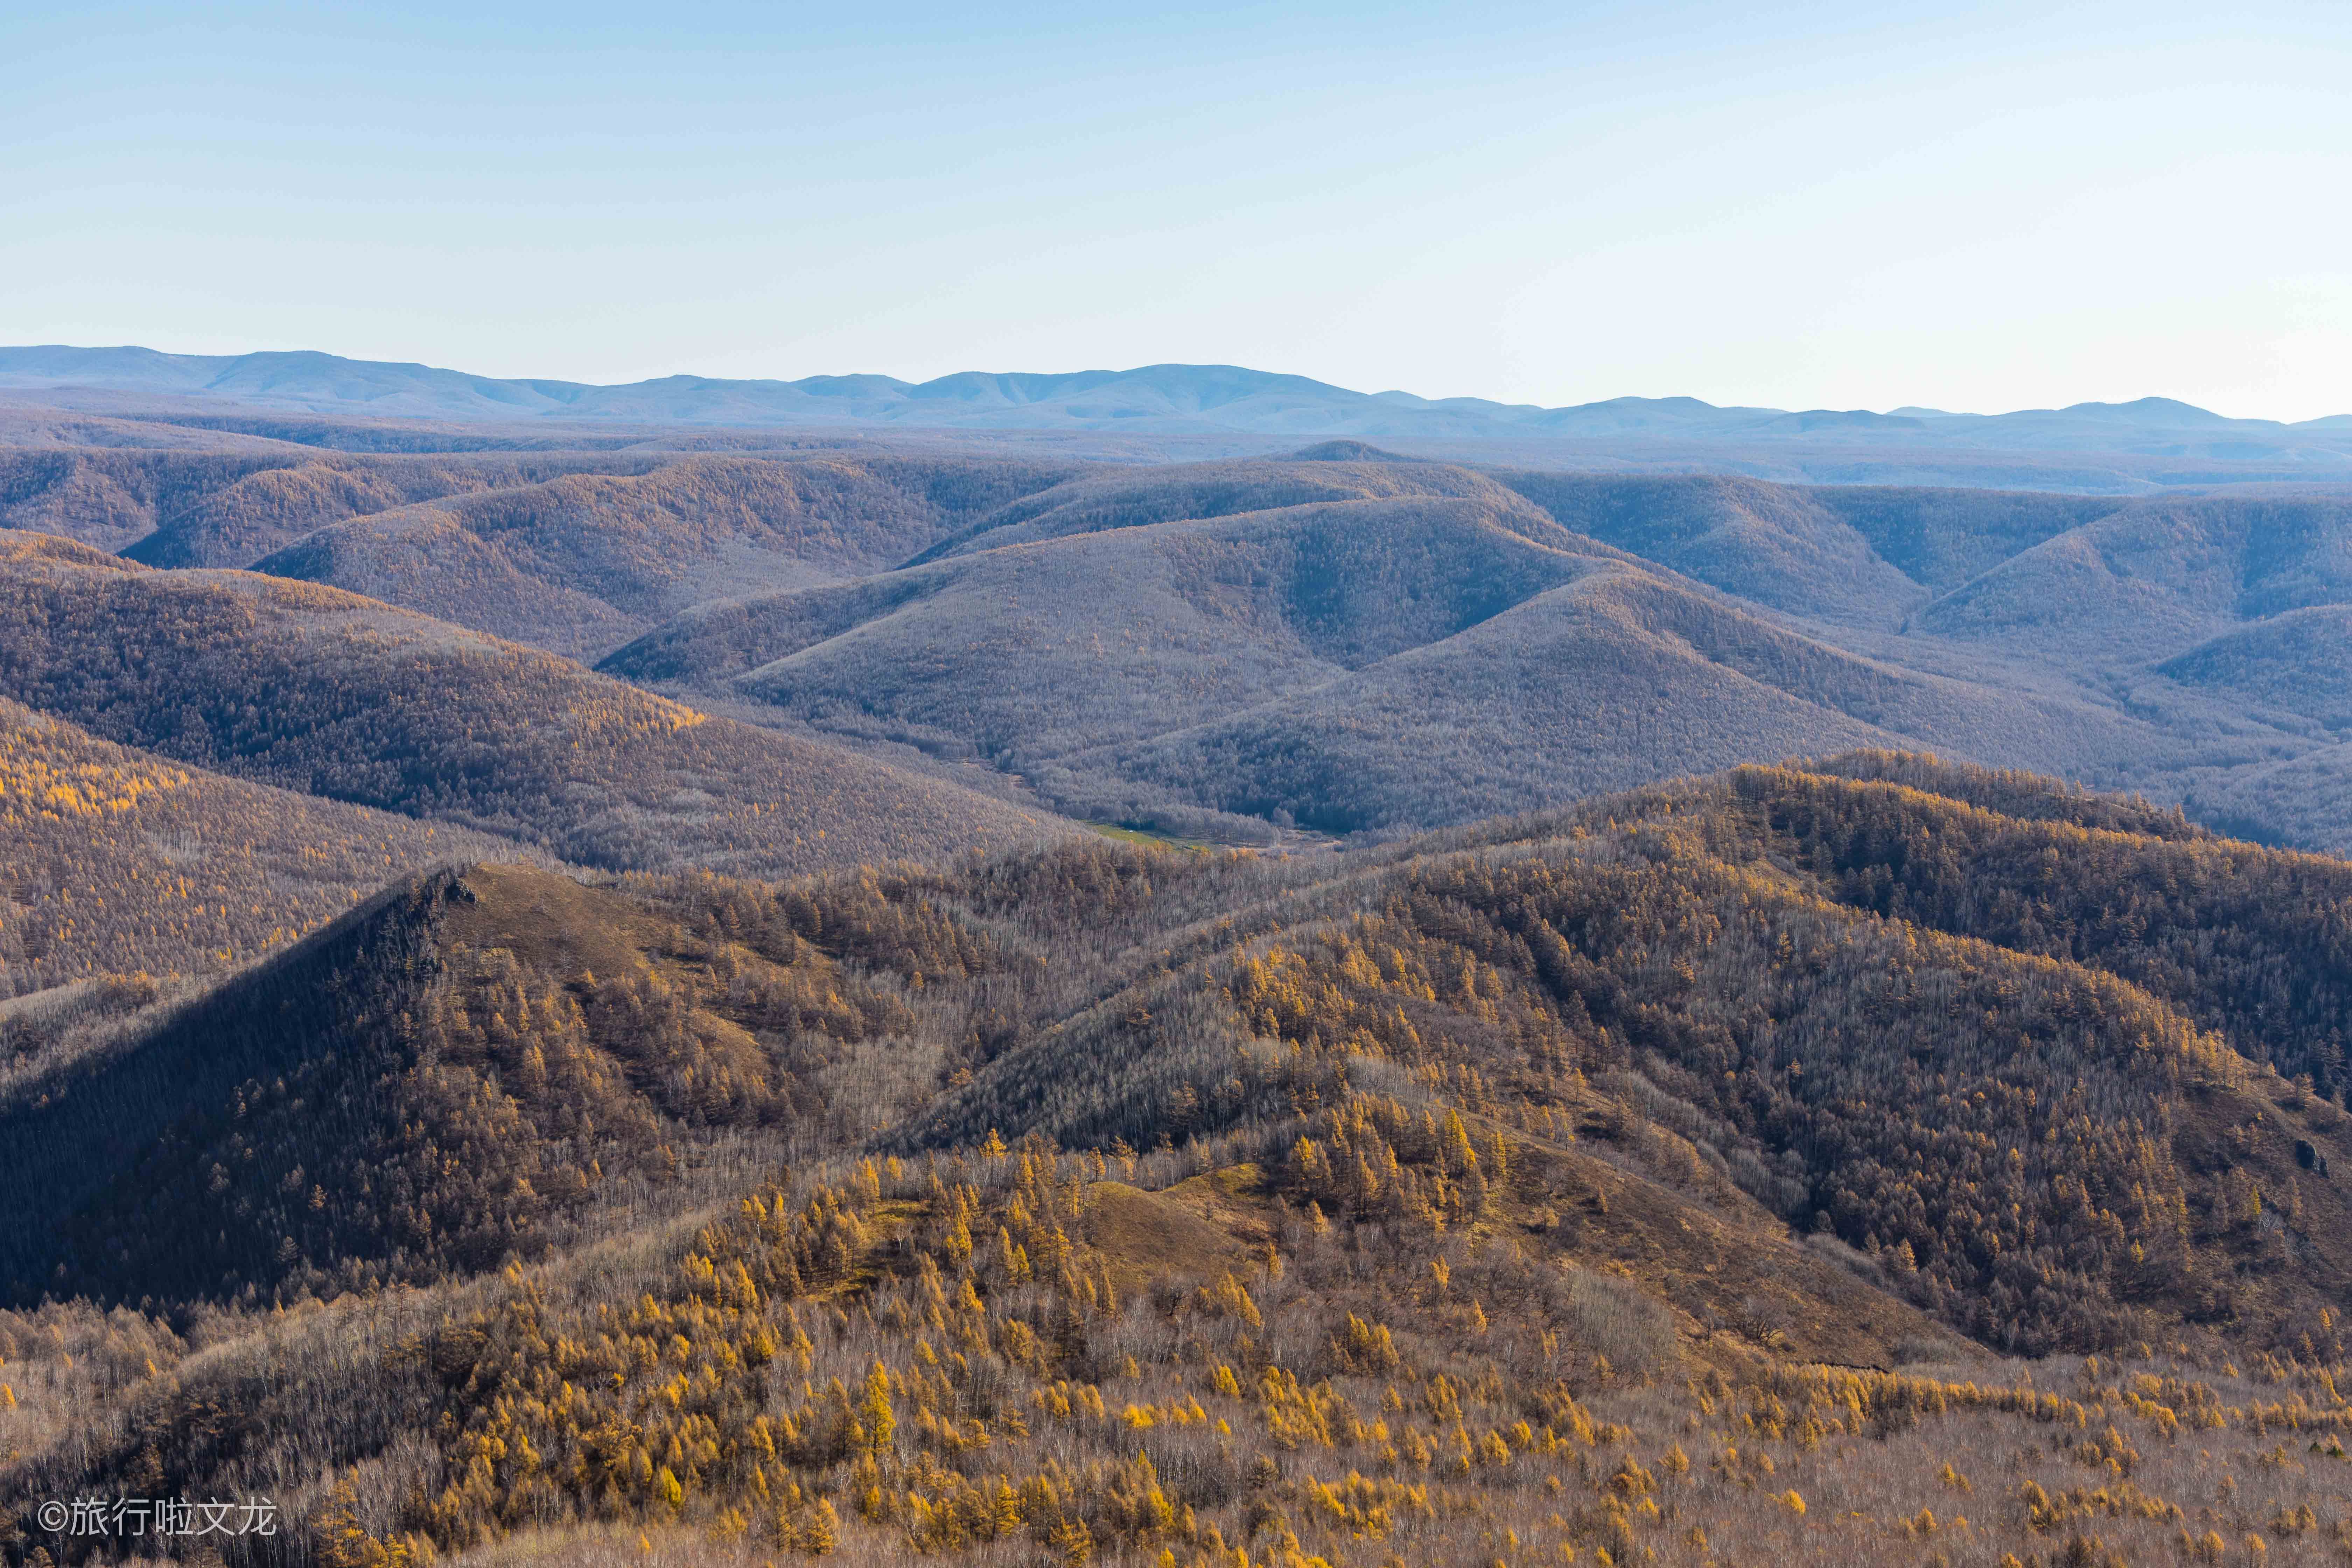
1368	391
1832	206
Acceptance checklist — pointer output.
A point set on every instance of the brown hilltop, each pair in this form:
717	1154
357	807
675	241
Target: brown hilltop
322	691
585	562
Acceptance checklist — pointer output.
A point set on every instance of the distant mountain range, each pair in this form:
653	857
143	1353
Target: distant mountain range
1159	400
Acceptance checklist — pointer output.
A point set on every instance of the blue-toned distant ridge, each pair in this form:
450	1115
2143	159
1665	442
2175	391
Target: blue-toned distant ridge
1161	399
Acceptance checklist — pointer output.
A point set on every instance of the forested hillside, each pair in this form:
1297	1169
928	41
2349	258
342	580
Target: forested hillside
320	691
1345	637
1096	502
1357	641
1053	642
120	862
229	508
431	1086
1345	664
625	525
1865	555
583	564
2156	576
1676	1176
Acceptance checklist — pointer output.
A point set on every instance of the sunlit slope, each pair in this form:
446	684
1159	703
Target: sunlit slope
583	564
1353	663
229	508
321	691
1134	498
119	861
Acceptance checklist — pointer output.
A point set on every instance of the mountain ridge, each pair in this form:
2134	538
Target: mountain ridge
1158	397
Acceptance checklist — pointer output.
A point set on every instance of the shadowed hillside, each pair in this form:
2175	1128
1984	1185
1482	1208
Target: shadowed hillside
324	692
465	1070
1662	1176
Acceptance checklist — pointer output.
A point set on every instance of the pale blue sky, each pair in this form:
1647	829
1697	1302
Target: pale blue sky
1834	204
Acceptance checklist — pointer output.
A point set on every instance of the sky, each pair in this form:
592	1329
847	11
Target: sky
1826	204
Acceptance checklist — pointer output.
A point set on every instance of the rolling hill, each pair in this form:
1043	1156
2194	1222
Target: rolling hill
585	564
379	1064
181	509
1043	648
1354	640
2153	577
229	508
320	691
1682	1171
1414	644
924	600
1864	556
1615	680
1342	472
2292	662
120	861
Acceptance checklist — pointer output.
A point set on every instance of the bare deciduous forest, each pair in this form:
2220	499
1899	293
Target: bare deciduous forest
119	863
1854	1156
1042	1006
1353	640
319	690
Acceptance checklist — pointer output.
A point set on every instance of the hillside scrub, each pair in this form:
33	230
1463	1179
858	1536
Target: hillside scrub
1673	1175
